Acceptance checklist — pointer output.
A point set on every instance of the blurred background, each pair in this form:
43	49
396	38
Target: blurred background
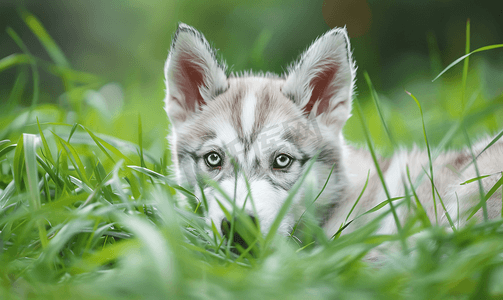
402	45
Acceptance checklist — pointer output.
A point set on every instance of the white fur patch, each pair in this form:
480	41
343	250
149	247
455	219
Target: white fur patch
266	203
248	113
227	134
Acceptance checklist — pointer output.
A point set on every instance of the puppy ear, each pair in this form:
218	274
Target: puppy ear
193	75
321	83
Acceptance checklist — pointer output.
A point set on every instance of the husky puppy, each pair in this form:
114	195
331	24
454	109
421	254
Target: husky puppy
269	129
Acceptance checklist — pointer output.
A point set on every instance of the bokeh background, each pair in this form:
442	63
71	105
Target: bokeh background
402	45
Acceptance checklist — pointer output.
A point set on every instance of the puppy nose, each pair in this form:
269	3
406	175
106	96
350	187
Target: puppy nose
239	234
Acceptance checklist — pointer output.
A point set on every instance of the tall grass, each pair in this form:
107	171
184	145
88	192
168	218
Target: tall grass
90	216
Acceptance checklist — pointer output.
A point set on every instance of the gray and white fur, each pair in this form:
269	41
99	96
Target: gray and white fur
272	127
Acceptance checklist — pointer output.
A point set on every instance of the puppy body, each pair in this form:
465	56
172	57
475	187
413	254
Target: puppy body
266	130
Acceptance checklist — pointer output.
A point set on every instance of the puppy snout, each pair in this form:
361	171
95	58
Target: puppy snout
241	235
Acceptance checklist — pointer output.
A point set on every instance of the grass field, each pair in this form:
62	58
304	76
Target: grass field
87	215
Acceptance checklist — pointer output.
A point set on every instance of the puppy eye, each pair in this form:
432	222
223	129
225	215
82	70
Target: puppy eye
213	160
282	161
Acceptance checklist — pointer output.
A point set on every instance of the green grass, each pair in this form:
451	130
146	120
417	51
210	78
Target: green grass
85	215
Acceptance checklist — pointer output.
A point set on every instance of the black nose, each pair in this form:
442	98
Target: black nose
241	235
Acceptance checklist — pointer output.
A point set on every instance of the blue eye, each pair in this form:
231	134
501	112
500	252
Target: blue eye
213	160
282	161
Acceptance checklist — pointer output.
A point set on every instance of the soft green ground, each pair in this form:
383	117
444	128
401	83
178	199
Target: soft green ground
87	215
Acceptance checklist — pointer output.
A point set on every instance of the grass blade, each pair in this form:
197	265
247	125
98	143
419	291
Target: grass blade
18	164
380	205
465	65
140	141
4	142
47	150
13	60
6	150
448	216
376	164
102	145
30	156
466	55
33	65
359	197
7	194
57	180
72	131
375	98
429	156
422	213
29	147
105	255
155	175
41	33
481	189
17	91
486	196
474	179
286	205
74	158
493	141
345	223
153	240
312	203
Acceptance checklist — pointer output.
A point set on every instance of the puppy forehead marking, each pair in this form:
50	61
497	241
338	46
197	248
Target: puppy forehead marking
253	110
226	132
248	113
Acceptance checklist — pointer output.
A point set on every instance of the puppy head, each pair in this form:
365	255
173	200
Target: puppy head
255	135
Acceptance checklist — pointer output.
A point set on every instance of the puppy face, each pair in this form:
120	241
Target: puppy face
255	135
